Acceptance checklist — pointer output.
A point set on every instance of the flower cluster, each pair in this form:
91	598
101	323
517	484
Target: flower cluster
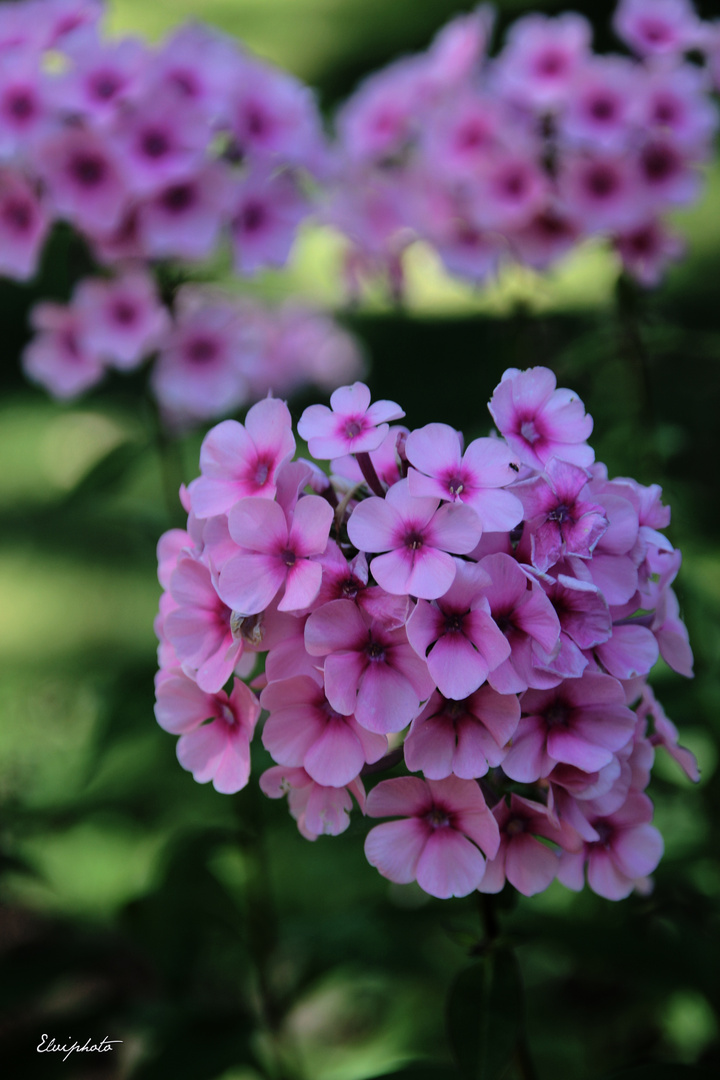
214	353
149	153
486	615
525	154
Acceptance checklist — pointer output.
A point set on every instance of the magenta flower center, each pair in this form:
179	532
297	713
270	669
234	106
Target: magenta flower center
454	623
413	540
375	651
516	826
262	472
560	514
353	428
17	214
155	144
201	350
557	714
288	557
21	105
438	818
253	216
179	197
551	62
658	162
105	85
601	182
124	313
88	169
602	108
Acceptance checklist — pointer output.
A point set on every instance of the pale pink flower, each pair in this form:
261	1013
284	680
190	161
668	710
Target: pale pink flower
522	859
266	209
318	810
439	842
657	27
84	179
475	477
416	535
277	549
370	670
304	729
350	426
24	225
219	750
540	421
462	737
55	357
540	59
647	250
122	319
239	460
183	219
457	636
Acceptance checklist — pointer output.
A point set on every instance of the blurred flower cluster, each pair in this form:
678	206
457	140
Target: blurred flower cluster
166	154
523	155
487	614
157	155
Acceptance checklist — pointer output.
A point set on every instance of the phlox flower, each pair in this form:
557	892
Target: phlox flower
582	722
370	670
647	250
199	629
666	174
585	622
55	357
183	218
350	426
159	143
524	614
562	522
541	57
103	75
509	189
540	421
240	460
439	842
657	27
603	189
266	209
318	810
601	111
24	225
475	478
522	859
457	635
123	320
665	734
24	103
625	850
84	179
198	373
217	751
416	535
546	237
277	549
465	738
304	729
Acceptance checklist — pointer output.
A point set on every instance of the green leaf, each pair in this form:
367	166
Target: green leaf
485	1015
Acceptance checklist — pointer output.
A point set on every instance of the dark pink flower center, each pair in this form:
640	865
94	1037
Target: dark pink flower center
262	471
288	557
375	651
105	85
90	170
155	144
413	540
602	182
516	826
665	111
654	31
437	818
179	197
514	184
529	432
551	62
124	313
471	136
201	350
603	108
560	514
454	622
353	428
557	714
17	213
349	588
253	216
21	105
658	163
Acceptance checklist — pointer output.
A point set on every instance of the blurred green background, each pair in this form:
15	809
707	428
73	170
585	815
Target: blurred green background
201	929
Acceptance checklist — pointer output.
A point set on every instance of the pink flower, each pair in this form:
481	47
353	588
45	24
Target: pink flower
602	189
84	180
474	478
462	737
541	58
370	670
522	858
350	426
540	421
457	636
239	460
55	357
582	722
159	143
445	827
647	250
657	27
266	210
199	629
318	810
562	522
123	320
665	734
416	534
183	218
277	548
304	730
218	751
24	224
627	848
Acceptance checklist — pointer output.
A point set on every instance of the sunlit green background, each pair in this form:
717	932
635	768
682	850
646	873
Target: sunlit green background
139	905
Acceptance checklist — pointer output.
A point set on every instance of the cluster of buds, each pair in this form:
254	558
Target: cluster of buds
523	155
214	353
483	615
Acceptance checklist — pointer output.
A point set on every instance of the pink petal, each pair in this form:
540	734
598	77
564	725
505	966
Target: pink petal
395	847
258	525
302	584
336	757
386	701
450	865
529	865
247	583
